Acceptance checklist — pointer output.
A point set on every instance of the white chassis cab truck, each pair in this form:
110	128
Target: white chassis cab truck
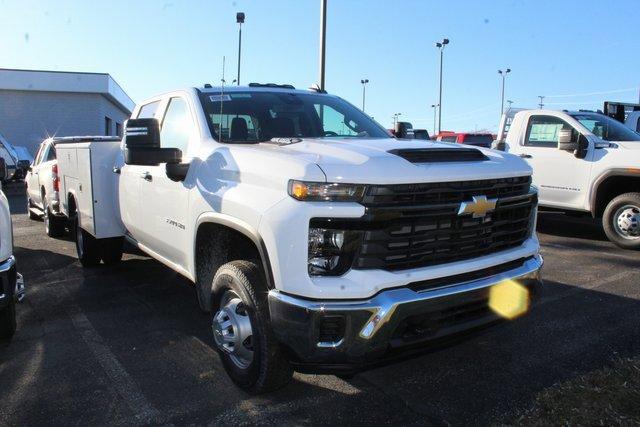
317	242
584	163
11	282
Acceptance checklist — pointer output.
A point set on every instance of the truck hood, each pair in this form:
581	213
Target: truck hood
368	161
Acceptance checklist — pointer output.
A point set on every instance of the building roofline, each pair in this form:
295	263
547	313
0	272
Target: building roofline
63	81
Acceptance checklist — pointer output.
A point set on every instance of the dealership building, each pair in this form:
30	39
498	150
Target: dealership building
37	104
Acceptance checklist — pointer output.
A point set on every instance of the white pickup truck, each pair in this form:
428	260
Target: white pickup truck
318	242
11	282
583	162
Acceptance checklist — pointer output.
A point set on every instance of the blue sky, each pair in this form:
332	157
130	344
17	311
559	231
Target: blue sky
576	53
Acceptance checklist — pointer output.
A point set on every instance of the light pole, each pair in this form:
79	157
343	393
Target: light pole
441	45
364	86
239	21
435	109
504	77
323	38
541	104
395	119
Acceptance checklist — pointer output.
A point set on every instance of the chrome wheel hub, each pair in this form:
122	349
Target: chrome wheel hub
626	222
232	330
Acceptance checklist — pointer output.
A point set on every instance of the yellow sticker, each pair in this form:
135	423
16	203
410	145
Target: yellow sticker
509	299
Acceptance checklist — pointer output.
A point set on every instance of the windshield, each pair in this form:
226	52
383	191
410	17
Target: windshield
254	116
606	128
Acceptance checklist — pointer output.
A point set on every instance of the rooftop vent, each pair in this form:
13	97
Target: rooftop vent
440	155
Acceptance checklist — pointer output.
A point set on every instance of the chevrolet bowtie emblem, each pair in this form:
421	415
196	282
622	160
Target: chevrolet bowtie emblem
479	207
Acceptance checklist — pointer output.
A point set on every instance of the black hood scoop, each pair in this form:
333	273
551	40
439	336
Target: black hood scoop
439	155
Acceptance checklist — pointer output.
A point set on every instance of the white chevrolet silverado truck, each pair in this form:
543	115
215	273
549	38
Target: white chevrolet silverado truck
583	163
318	242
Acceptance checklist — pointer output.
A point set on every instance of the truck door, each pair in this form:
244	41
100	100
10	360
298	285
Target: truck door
562	179
129	183
164	203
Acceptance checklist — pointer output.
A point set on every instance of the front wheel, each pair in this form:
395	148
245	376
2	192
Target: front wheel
242	329
86	245
621	221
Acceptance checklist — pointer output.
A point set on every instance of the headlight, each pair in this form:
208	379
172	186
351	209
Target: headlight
325	192
331	251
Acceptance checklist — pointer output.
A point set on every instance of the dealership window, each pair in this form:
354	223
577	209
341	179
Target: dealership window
118	129
107	126
543	131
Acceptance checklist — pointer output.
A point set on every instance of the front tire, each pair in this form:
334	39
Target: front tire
32	215
112	250
621	221
87	247
241	325
8	321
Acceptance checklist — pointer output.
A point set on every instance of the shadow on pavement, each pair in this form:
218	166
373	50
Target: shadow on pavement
148	319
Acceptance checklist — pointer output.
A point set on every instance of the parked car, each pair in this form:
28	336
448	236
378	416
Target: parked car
43	184
477	139
318	243
10	161
583	162
11	282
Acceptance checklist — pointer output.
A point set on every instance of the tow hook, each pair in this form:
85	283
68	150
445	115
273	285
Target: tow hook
19	293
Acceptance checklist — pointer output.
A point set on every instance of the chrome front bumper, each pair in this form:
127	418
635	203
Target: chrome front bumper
367	329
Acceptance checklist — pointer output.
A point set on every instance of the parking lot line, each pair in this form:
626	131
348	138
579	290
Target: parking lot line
122	382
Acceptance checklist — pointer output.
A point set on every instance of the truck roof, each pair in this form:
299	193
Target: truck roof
255	87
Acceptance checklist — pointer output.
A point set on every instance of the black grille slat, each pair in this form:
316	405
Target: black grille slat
410	230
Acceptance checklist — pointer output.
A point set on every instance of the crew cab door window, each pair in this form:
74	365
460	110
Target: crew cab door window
51	154
148	111
177	125
543	131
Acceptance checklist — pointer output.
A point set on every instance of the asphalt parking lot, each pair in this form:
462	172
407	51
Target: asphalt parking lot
128	345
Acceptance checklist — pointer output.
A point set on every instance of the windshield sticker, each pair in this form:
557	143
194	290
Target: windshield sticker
219	98
241	95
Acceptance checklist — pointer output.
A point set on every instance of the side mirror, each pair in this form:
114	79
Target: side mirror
574	141
142	144
566	140
3	169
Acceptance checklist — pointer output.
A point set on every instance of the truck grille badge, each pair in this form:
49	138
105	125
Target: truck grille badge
479	207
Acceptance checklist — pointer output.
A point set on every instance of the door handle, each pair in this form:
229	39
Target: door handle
146	176
525	156
116	170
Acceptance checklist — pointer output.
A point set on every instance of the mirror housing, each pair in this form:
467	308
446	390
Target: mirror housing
142	144
574	141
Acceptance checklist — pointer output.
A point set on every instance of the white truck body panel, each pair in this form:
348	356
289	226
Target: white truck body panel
86	172
564	181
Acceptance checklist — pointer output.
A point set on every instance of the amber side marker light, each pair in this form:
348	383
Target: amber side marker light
509	299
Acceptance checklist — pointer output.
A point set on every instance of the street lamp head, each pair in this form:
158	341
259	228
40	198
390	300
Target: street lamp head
499	71
508	70
445	41
240	17
438	44
364	81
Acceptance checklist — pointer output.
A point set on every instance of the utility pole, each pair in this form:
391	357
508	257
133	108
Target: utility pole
509	102
504	77
395	119
441	45
323	38
364	86
541	104
239	21
435	110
